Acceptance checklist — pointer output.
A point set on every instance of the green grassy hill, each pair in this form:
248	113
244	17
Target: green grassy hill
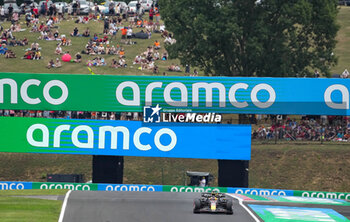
298	166
78	43
288	166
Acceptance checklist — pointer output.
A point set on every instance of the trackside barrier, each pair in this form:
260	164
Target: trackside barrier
321	194
68	186
130	187
168	188
261	192
15	185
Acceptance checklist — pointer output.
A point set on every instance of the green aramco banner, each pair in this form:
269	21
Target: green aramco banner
174	94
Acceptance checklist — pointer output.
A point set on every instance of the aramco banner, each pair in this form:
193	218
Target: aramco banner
174	94
125	138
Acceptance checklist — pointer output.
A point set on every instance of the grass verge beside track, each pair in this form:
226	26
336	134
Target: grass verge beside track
13	208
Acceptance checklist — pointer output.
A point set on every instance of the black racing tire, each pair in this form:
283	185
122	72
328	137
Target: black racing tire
196	206
229	205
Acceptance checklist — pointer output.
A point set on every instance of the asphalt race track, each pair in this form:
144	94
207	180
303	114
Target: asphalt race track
118	206
100	206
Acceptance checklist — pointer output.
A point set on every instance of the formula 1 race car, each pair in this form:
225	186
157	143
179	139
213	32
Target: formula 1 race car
213	203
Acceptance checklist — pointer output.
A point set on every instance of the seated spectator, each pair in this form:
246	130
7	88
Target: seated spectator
155	70
10	54
164	34
174	68
101	49
108	48
16	27
105	39
58	50
34	46
43	35
95	37
86	19
149	57
64	41
177	68
89	63
169	40
35	28
345	74
113	51
41	27
98	62
195	72
86	33
50	36
156	45
25	41
102	62
122	62
37	55
58	63
56	34
114	64
75	32
150	65
50	22
29	55
171	67
79	20
13	42
122	53
137	60
51	64
165	56
156	55
77	58
3	49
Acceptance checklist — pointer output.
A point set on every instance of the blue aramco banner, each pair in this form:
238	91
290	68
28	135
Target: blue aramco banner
125	138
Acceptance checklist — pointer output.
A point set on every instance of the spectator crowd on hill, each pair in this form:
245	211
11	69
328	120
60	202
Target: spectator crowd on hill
329	128
133	26
72	114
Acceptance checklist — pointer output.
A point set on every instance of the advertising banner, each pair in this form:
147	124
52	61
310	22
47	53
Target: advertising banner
175	94
259	191
130	187
322	194
12	185
125	138
64	186
169	188
258	194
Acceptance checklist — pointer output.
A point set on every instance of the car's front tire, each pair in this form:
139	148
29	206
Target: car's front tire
229	205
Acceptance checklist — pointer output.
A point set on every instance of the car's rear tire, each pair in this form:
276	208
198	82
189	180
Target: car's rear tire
196	206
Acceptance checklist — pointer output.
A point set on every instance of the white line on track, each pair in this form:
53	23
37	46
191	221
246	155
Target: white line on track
64	205
240	201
